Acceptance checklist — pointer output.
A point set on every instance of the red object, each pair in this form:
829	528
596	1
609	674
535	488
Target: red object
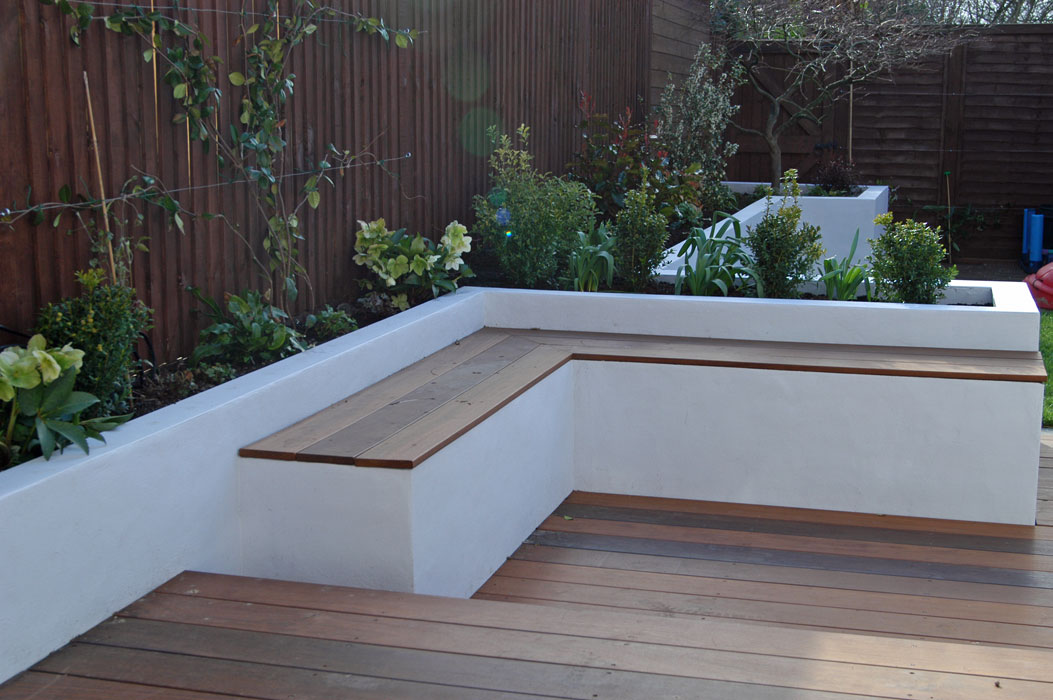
1041	286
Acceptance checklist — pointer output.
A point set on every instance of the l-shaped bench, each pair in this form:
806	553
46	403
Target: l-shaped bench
466	450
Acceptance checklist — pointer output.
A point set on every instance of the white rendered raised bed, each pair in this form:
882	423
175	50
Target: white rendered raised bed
838	219
85	536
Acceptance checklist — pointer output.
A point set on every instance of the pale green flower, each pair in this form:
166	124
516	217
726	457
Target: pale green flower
46	365
68	357
456	241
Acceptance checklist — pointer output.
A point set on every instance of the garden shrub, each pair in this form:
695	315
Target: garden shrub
250	332
530	220
620	156
908	262
328	324
836	177
640	237
785	251
39	409
106	321
412	269
693	119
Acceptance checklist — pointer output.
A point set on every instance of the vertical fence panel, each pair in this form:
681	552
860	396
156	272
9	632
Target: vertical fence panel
476	62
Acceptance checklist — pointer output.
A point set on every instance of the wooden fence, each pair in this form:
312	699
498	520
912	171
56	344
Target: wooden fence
421	112
984	115
977	126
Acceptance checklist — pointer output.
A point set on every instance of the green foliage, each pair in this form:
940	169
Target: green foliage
620	156
908	262
413	266
717	263
785	251
836	177
640	238
591	261
39	409
249	333
106	320
1045	346
693	119
530	220
327	324
843	278
253	147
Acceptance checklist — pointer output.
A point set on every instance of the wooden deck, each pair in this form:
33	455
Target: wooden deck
1045	481
616	597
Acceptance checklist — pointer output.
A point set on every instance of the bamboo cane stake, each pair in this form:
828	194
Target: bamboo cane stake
157	121
102	189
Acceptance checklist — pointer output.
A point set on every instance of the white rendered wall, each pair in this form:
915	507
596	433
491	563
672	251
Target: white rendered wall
476	500
1012	324
838	218
95	533
936	448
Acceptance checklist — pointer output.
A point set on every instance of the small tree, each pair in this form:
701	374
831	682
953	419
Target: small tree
831	46
693	117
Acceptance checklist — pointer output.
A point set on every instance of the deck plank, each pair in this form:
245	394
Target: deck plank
811	615
36	685
716	634
776	573
799	543
667	658
810	515
273	682
849	532
815	595
507	675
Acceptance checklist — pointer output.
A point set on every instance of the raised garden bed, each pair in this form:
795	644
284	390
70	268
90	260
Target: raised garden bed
838	219
88	535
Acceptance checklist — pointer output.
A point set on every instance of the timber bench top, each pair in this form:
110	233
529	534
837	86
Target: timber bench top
405	418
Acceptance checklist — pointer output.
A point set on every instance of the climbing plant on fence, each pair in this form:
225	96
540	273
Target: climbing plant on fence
252	147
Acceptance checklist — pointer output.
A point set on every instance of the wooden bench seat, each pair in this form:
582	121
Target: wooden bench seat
407	417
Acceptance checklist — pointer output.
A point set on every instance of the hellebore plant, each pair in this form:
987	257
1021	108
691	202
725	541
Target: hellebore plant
411	267
40	408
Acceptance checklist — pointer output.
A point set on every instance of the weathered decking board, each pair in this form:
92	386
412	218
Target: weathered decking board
615	597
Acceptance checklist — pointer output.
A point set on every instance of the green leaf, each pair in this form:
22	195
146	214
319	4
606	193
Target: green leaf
58	393
77	402
314	199
46	438
73	433
236	79
148	55
179	91
179	222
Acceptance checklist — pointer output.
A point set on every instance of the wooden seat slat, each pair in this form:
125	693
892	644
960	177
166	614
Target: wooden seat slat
415	412
286	443
363	434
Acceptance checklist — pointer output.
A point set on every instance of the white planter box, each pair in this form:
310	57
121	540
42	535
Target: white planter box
85	536
838	219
